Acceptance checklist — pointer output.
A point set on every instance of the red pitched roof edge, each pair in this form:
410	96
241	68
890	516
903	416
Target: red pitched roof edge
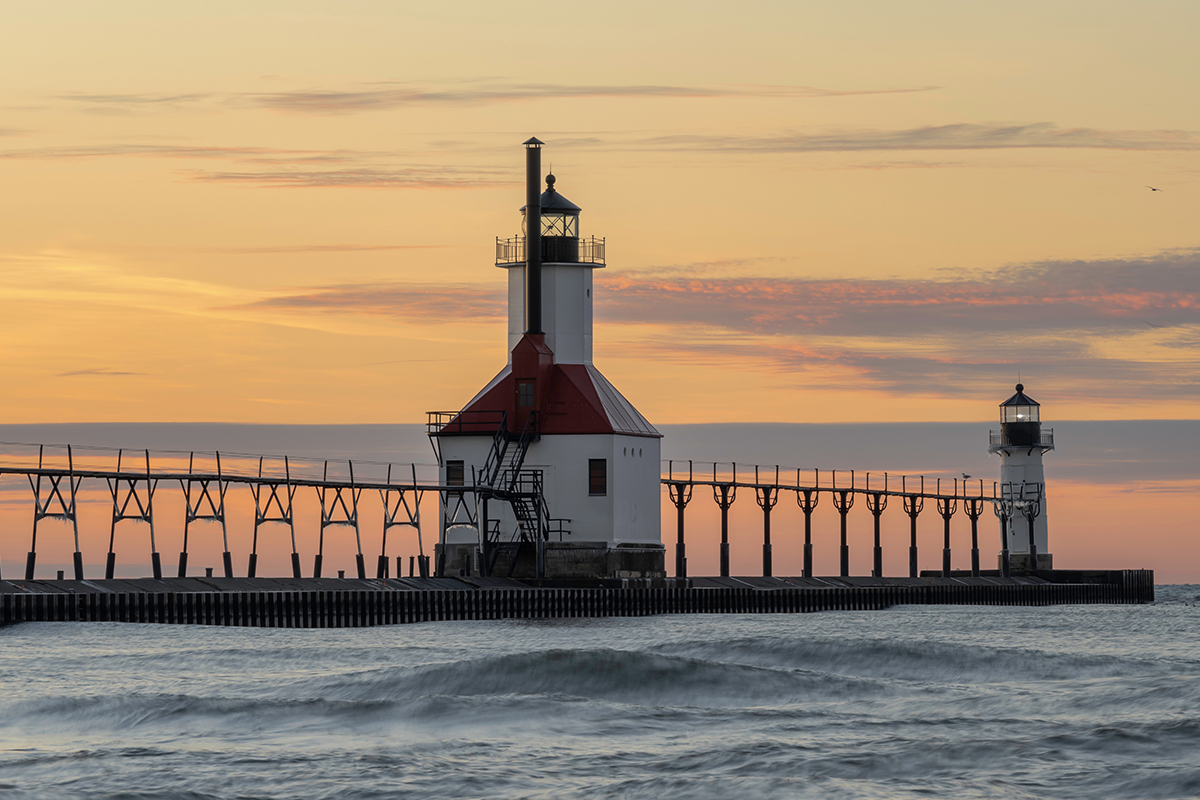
575	399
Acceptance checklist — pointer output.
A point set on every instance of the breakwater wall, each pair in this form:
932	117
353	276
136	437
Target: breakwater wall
338	603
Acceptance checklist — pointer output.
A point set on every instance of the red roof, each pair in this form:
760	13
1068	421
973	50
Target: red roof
572	398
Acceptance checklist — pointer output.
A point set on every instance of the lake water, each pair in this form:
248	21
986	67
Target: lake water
916	701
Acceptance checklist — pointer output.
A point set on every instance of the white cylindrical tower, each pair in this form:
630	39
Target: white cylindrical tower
1021	443
567	261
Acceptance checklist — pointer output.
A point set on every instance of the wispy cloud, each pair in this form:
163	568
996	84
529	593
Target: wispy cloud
1119	294
1085	322
397	96
104	371
961	136
130	103
401	178
923	367
1107	296
255	155
403	301
137	99
317	248
289	168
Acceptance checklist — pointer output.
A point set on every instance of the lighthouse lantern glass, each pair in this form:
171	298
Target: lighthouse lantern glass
556	224
1020	413
560	224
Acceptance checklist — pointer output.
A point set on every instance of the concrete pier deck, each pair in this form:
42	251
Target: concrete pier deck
348	602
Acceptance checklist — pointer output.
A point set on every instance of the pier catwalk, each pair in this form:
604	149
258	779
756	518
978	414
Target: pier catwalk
349	602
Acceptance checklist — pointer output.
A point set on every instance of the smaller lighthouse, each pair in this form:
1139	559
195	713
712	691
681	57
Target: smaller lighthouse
1021	443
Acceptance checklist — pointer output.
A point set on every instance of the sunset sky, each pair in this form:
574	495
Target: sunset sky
284	212
847	212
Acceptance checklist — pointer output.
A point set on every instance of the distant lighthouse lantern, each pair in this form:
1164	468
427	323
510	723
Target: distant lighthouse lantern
1020	423
1019	407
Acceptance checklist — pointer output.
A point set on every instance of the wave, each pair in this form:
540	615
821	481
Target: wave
513	686
600	674
918	661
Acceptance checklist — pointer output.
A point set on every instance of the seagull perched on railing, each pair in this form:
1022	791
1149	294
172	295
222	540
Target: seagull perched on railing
966	477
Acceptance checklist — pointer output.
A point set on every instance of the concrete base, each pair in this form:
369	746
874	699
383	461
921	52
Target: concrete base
1019	562
563	560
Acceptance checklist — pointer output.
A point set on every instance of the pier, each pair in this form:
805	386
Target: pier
341	603
57	474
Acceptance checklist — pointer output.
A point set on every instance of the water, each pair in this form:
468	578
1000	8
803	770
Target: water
1070	702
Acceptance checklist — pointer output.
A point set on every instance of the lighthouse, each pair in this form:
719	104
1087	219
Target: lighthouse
560	473
1021	443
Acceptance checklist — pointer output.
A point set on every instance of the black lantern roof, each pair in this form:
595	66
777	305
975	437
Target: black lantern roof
1020	399
553	202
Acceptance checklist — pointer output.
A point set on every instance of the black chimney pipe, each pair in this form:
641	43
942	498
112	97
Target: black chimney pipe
533	236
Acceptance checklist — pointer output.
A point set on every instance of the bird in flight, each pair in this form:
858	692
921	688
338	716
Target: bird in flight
1152	188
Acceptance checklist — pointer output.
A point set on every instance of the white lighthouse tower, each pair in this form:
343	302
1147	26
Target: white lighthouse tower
560	471
1021	443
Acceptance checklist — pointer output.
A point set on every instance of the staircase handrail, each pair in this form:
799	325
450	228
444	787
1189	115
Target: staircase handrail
495	459
529	433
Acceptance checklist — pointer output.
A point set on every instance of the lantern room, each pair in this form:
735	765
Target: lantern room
1021	425
1019	408
560	226
560	217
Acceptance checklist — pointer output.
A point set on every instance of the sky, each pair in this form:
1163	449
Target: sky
284	212
861	212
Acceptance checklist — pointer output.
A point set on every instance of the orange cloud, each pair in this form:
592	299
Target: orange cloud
959	136
1103	328
334	102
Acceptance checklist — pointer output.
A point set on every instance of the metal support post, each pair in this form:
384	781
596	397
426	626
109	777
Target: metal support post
807	499
876	503
1003	510
767	497
913	505
204	507
401	508
155	561
274	510
680	494
127	503
974	508
1031	507
724	494
485	562
843	501
57	506
335	510
947	506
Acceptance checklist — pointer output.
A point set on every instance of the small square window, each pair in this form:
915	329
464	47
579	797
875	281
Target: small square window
597	476
455	473
526	394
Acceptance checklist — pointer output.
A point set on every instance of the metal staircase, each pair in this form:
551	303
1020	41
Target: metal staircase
526	496
506	480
